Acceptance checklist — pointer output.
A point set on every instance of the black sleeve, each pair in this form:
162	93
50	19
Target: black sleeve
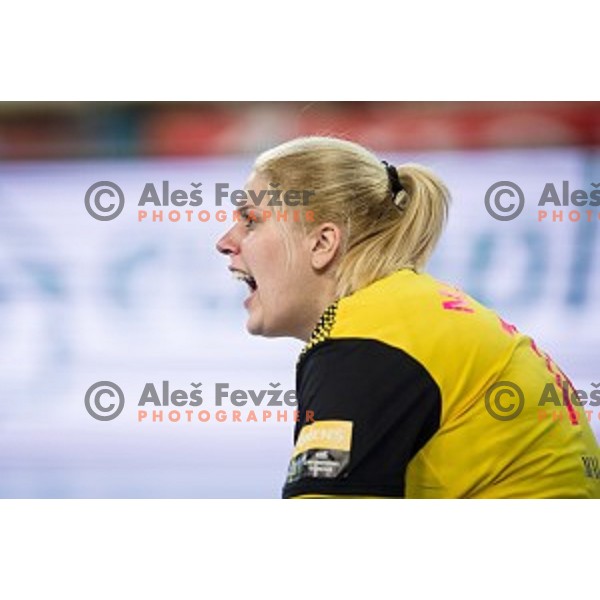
384	402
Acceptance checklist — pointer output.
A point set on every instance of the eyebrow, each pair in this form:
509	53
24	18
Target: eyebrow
247	211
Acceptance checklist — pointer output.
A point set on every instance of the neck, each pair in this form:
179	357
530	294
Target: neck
318	306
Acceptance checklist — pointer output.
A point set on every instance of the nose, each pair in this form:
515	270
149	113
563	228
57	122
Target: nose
228	243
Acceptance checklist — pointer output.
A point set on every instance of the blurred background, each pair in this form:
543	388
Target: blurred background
131	302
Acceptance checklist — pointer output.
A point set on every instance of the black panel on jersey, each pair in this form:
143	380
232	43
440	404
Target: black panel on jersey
392	401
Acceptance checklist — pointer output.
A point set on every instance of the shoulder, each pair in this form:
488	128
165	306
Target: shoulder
378	311
389	308
434	323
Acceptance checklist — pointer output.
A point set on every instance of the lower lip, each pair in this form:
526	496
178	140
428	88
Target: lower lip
249	299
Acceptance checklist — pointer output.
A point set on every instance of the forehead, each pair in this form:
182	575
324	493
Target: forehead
290	226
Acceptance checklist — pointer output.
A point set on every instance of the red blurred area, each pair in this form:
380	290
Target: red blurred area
71	130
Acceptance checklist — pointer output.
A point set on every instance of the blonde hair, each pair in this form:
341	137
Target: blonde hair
352	189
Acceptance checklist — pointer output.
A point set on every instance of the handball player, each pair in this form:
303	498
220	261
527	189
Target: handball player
417	390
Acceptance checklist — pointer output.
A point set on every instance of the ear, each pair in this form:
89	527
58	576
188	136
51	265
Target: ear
324	240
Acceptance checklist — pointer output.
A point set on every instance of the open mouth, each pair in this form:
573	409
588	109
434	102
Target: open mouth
246	278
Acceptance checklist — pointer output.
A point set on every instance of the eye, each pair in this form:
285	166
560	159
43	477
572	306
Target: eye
249	218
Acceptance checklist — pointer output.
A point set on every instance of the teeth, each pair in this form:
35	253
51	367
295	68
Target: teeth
241	276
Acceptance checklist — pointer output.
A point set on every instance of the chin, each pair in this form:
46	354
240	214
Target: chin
256	327
262	331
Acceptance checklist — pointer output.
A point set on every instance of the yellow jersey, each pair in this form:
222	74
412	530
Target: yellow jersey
419	391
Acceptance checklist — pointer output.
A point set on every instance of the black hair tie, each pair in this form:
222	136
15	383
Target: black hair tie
395	184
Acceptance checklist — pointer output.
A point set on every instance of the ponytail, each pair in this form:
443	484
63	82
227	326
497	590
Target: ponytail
385	227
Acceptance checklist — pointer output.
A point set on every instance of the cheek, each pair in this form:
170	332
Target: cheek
267	255
277	260
277	276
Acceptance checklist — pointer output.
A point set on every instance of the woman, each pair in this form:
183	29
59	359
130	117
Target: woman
399	370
